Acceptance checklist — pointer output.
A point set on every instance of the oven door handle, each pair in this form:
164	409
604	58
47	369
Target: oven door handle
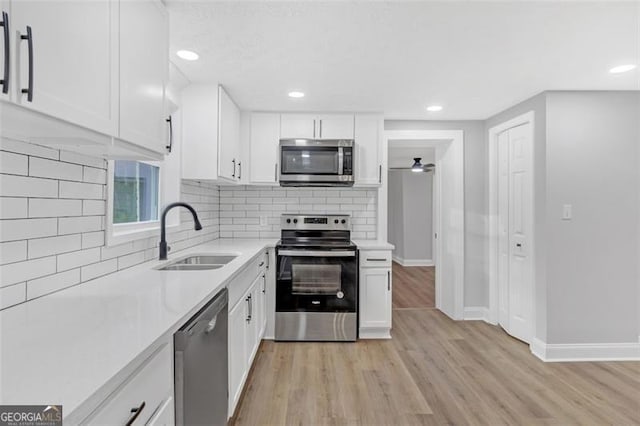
317	253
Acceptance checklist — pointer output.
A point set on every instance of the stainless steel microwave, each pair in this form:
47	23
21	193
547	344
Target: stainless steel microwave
311	162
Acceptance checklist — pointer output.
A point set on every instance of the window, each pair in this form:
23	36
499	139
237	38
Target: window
136	192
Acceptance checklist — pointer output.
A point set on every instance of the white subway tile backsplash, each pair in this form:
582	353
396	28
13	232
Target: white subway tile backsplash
14	164
76	225
92	239
78	258
52	223
12	295
94	207
81	190
13	273
72	157
98	269
28	149
21	229
13	208
14	251
41	247
40	167
53	207
94	175
46	285
23	186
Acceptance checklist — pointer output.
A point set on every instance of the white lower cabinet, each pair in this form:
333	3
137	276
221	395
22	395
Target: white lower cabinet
247	321
147	391
375	294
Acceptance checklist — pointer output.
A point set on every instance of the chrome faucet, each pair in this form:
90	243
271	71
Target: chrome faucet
163	237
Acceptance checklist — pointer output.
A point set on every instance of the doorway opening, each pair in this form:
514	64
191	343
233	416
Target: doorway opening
443	149
410	225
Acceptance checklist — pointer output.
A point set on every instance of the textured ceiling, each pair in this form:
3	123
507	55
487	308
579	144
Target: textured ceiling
474	58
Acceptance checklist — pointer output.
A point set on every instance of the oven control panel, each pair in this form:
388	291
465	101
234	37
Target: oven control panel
327	222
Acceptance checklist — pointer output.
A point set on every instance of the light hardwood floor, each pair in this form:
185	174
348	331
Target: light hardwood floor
434	371
413	286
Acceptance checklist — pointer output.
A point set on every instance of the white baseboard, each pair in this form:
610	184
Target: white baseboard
374	333
413	262
575	352
475	313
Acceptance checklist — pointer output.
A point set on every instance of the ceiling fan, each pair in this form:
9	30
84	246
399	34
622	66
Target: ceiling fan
417	166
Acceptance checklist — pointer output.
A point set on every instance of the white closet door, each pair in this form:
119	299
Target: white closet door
515	226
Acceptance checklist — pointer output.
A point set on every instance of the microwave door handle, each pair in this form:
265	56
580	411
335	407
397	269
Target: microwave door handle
340	161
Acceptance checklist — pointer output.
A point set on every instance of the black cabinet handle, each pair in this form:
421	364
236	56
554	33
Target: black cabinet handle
380	173
275	175
29	89
136	412
7	57
239	170
234	167
170	146
388	280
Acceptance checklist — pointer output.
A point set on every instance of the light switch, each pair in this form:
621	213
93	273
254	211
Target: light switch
567	214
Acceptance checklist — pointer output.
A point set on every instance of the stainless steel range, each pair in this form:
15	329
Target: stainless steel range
317	279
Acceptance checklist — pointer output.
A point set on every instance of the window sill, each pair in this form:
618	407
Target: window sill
115	237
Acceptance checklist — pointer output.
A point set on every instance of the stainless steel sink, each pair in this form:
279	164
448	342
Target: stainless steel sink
189	267
205	260
199	262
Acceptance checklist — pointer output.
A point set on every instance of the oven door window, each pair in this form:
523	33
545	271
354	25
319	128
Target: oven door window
309	161
315	279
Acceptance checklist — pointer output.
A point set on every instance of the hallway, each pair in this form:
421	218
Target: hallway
413	286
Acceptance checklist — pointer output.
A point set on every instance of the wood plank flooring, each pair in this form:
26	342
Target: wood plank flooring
434	371
413	286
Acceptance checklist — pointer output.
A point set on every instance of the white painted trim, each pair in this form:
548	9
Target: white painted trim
413	262
374	333
477	313
528	117
438	139
576	352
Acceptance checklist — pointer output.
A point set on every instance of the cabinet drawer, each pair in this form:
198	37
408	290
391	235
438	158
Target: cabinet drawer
241	283
375	259
150	384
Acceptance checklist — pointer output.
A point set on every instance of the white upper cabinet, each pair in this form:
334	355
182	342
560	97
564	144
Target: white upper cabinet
200	132
144	73
65	60
368	146
263	147
230	164
334	126
298	126
314	126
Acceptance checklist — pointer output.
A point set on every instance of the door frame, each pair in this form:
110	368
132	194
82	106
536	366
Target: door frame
526	118
441	140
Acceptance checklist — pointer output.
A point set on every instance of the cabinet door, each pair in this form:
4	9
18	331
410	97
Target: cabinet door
264	142
335	126
301	126
144	72
237	351
75	60
253	326
368	142
261	306
375	297
164	416
228	136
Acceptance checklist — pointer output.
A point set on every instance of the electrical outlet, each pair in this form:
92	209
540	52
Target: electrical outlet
567	213
263	221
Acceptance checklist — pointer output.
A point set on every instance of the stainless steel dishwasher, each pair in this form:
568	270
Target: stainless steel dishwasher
201	359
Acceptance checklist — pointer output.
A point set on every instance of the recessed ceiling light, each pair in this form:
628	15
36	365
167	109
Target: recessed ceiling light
622	68
434	108
296	94
187	55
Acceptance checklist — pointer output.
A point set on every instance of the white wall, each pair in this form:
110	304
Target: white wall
411	216
52	221
476	271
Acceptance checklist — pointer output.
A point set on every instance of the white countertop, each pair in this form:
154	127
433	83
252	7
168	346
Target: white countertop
373	245
63	348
